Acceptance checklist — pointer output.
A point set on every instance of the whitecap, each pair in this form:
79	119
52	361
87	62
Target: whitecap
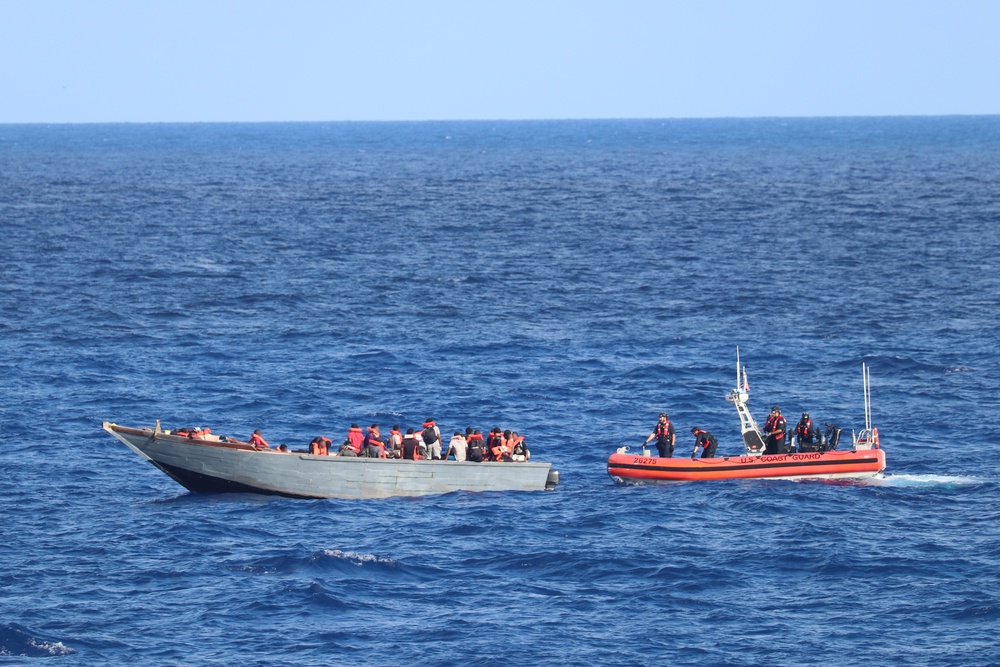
358	559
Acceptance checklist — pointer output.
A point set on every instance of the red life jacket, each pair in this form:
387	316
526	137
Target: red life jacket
804	429
772	425
662	430
355	437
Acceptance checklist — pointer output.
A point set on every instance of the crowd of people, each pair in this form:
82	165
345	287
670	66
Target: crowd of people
778	439
425	443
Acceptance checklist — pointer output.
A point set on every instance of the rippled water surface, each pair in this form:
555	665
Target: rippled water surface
569	280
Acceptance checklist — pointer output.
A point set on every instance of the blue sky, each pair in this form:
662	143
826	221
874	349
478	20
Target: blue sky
298	60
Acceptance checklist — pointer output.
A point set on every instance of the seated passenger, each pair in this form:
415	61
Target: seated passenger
373	446
519	450
257	440
493	441
457	447
356	439
320	446
501	447
476	446
411	446
395	442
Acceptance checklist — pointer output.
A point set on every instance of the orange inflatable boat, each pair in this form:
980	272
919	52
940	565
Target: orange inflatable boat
800	465
866	458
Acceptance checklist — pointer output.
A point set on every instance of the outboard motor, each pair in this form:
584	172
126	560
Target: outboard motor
831	438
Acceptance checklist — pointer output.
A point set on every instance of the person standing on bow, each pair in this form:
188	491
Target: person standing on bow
665	436
774	429
706	441
432	438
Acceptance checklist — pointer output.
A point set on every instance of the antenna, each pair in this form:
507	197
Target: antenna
866	376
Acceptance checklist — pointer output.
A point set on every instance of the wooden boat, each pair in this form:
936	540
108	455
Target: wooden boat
865	458
214	464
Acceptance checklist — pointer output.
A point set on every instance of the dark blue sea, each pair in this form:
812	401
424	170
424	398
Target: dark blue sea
569	280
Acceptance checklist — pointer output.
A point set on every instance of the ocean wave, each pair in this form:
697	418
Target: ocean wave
19	641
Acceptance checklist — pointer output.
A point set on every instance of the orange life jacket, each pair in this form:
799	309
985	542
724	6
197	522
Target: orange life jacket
355	437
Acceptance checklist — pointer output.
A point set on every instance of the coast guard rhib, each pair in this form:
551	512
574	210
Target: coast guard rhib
864	459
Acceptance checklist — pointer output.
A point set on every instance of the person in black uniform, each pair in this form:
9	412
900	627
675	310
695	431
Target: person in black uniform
665	436
774	429
706	441
808	434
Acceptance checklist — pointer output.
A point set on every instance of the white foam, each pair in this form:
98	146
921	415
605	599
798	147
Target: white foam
356	558
924	480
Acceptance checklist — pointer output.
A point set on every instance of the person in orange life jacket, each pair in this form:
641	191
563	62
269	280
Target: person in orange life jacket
396	442
457	447
411	446
502	447
258	441
706	441
373	446
808	434
774	429
355	440
476	446
320	446
432	439
491	442
519	450
665	436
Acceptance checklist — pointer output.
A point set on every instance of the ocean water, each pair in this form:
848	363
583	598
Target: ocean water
569	280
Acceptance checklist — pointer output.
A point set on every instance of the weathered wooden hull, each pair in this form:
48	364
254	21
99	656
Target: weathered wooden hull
804	465
230	466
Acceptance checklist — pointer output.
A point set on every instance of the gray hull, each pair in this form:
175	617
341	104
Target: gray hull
229	466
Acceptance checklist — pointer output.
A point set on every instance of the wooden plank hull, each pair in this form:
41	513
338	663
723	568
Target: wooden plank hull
210	466
804	465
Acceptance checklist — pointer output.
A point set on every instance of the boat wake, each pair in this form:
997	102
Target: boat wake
923	480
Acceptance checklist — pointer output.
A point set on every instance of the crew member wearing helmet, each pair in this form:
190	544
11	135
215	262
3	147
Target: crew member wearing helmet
808	434
665	436
774	429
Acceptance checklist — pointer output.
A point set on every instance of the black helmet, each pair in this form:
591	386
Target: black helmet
664	415
775	408
805	415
